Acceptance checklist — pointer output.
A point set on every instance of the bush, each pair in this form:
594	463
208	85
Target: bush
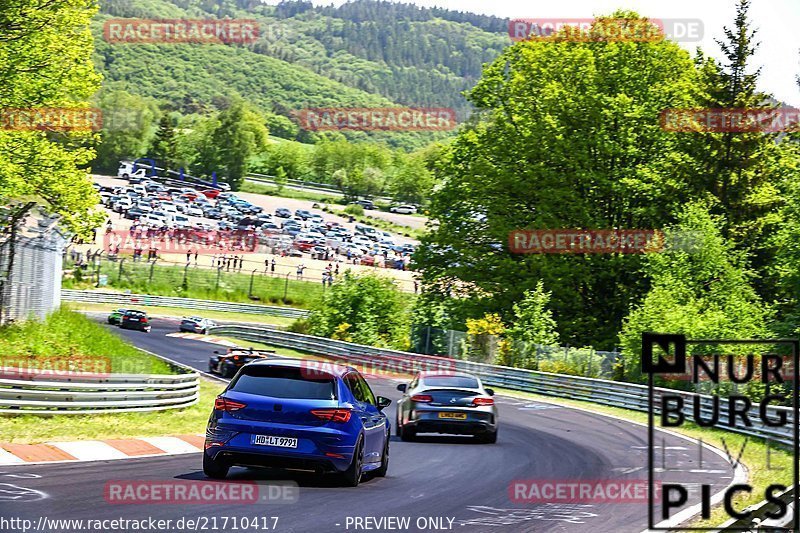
367	309
301	325
355	210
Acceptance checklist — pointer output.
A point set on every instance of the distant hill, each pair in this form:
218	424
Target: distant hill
363	53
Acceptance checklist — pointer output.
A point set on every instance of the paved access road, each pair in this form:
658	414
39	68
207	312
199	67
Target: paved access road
461	486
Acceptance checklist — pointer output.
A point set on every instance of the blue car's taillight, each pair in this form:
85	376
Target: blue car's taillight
224	404
332	415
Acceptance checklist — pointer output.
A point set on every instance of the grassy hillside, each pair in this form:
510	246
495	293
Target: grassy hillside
364	53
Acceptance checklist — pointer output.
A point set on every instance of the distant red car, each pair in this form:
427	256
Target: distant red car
304	245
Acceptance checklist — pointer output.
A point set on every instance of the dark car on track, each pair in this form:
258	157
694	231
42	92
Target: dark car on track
116	316
133	319
453	403
226	364
289	414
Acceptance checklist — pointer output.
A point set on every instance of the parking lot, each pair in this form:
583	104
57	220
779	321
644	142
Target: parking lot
302	240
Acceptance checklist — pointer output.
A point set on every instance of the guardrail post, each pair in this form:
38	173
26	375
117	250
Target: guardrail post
250	291
185	283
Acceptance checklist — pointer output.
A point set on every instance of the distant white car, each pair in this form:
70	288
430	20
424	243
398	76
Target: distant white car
403	209
125	171
194	211
153	220
181	221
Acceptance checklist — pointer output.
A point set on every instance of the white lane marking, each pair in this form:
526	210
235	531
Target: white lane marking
14	493
8	458
625	470
659	447
171	444
203	338
537	407
89	450
493	516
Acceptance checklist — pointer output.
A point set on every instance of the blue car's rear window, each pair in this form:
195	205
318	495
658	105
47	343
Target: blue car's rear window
285	382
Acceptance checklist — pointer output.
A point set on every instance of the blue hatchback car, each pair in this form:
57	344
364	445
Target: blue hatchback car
291	414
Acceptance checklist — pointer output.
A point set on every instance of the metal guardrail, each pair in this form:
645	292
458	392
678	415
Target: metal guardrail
85	393
612	393
144	300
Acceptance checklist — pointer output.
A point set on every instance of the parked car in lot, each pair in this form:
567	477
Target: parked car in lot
133	319
194	211
304	244
115	316
282	212
213	213
366	204
196	324
404	209
367	231
453	403
134	213
303	213
282	414
226	364
123	204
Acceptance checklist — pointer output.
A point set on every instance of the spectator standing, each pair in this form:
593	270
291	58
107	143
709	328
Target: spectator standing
273	266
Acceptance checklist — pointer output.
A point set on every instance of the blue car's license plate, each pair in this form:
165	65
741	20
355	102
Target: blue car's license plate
270	440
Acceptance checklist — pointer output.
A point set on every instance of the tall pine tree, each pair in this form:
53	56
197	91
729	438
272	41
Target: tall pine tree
164	148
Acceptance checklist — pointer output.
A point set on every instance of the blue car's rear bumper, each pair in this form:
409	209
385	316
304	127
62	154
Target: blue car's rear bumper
318	448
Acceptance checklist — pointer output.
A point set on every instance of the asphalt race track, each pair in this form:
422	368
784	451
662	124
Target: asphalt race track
464	486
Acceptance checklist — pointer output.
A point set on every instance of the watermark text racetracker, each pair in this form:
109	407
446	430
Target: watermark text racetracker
750	402
173	31
179	492
623	241
377	119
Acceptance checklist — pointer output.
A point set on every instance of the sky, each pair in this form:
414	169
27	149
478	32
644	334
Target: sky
777	22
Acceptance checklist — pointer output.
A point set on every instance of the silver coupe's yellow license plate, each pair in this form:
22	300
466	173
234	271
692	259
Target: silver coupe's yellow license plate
453	416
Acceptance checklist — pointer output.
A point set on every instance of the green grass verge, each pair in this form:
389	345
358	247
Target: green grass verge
155	310
69	341
286	192
30	429
201	283
382	224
